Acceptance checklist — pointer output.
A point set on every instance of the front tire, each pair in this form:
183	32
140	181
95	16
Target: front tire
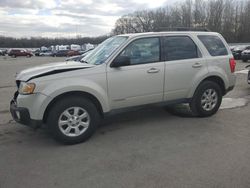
207	99
73	120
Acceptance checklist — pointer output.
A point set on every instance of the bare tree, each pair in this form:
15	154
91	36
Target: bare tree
186	13
126	24
199	13
244	23
161	19
216	8
175	17
229	17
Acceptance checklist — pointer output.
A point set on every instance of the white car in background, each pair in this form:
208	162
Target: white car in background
46	53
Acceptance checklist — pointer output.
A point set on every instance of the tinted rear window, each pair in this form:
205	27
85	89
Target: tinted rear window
179	47
214	45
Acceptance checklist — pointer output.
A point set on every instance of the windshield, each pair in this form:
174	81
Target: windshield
100	54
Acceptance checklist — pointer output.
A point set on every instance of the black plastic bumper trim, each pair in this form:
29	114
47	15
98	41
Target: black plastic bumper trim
22	116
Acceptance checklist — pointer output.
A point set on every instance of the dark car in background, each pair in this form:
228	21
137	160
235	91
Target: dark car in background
73	53
238	50
17	53
60	53
245	55
37	52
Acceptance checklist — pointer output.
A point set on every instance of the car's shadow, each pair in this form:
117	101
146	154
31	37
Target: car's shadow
143	115
111	122
180	110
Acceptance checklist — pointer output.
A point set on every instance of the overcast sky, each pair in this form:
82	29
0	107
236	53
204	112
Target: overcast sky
66	18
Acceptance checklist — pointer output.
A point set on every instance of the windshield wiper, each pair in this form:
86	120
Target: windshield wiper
83	61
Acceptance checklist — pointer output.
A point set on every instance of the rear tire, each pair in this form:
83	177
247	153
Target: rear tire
73	120
207	99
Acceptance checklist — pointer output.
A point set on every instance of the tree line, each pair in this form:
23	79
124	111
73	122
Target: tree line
231	18
37	42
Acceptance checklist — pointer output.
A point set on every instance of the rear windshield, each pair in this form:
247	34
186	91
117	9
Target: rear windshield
214	45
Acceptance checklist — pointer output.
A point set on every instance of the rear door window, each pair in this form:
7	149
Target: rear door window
180	48
214	45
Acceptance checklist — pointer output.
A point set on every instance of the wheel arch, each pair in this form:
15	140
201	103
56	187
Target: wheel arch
215	79
87	95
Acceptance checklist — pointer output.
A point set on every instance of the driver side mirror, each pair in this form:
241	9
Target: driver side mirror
121	61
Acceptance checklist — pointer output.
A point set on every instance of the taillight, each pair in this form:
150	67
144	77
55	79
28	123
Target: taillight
232	63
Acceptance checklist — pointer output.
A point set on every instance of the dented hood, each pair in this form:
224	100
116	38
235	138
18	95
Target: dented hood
49	69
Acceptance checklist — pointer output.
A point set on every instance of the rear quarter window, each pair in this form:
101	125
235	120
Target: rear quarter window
214	45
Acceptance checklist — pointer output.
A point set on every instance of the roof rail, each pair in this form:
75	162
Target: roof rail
182	29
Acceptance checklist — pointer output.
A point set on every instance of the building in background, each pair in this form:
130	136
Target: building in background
75	47
87	47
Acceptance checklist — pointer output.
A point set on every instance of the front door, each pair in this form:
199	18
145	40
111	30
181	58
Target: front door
140	82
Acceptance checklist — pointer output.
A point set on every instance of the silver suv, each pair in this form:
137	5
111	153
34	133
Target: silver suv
125	71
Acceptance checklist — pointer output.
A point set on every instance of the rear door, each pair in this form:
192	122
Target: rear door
183	66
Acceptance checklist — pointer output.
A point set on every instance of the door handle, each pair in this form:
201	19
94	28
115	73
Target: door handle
153	70
197	65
